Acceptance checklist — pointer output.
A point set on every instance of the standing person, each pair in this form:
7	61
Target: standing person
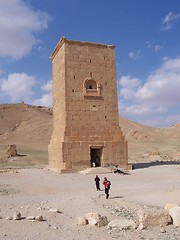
97	181
107	185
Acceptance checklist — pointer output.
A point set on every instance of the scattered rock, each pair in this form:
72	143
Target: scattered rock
82	221
54	227
96	219
141	226
39	218
30	218
55	210
39	208
9	218
17	216
162	230
122	224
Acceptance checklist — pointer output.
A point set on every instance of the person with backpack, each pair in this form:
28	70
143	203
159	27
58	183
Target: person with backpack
107	185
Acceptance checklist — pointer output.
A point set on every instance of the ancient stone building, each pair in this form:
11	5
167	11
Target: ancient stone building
86	128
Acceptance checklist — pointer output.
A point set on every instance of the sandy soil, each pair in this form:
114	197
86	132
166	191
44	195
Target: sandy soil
34	191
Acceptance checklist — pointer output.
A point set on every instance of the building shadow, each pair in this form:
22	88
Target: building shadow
155	163
21	155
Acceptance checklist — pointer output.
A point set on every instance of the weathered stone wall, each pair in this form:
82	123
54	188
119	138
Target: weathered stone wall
85	106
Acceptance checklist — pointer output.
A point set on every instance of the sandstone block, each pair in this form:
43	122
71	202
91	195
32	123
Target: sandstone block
175	215
82	221
168	206
147	218
96	219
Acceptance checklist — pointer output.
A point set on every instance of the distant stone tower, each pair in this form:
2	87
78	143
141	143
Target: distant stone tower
86	128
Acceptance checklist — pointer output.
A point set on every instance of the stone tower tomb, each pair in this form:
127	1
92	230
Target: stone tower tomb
86	128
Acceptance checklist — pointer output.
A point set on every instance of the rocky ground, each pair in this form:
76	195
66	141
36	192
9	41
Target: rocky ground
62	198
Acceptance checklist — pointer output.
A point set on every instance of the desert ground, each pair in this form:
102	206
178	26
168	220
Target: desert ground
33	192
29	187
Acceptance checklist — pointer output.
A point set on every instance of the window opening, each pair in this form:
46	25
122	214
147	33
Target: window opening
91	88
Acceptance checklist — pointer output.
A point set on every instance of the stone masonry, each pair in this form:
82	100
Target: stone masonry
86	128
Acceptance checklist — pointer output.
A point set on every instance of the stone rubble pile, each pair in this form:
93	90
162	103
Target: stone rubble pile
126	219
94	219
144	217
18	216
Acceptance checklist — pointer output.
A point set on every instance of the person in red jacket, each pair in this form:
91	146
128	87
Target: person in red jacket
107	185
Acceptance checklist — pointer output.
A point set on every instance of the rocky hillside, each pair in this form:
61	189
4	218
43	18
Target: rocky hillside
30	127
151	144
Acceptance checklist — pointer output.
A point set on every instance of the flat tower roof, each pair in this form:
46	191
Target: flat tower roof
75	42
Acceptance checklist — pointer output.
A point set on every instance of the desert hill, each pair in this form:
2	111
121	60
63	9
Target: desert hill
150	144
30	127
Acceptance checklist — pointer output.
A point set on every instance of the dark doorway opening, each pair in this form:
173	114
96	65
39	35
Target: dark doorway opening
95	154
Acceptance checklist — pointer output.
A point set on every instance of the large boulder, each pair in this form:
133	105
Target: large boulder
168	206
96	219
147	218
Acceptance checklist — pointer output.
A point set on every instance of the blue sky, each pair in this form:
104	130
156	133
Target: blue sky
147	39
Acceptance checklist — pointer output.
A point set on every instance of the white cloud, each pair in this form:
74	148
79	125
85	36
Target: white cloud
128	82
169	20
157	48
18	86
163	85
135	54
156	97
46	99
47	86
18	23
154	47
129	86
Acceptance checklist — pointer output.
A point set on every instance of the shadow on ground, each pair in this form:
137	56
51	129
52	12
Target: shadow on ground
156	163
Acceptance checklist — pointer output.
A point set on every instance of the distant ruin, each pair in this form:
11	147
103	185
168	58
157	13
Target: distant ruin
86	128
11	151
